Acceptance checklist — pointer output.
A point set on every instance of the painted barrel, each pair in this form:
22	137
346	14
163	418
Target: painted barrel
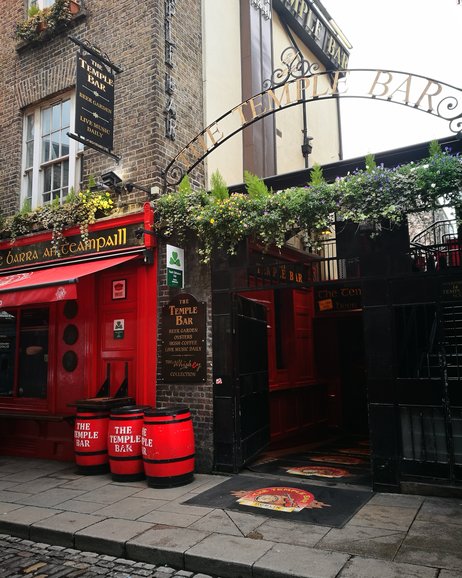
90	440
124	443
168	447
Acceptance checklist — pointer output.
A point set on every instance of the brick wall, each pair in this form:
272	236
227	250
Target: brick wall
132	34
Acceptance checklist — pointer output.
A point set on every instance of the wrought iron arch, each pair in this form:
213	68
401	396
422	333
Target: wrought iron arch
296	82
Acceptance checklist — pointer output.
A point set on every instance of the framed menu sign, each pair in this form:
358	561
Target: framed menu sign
184	355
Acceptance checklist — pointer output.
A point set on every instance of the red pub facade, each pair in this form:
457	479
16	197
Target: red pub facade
73	327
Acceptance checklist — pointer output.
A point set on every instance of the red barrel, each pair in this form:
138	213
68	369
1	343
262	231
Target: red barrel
168	447
90	440
124	443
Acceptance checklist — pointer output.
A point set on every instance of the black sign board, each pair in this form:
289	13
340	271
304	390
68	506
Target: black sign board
337	298
184	355
94	115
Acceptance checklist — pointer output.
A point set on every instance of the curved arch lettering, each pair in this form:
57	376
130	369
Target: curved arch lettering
411	90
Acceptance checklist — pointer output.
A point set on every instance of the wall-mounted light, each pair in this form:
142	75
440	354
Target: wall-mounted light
112	181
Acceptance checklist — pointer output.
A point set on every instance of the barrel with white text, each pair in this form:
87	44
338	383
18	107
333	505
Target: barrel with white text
168	447
90	441
124	443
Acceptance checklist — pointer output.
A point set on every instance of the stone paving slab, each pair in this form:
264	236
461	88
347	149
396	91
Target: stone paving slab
81	507
169	518
386	517
397	500
86	483
217	521
363	541
441	510
431	536
11	496
108	494
285	560
226	556
289	532
38	485
50	498
431	557
60	529
8	507
109	536
369	568
23	475
164	545
17	522
132	508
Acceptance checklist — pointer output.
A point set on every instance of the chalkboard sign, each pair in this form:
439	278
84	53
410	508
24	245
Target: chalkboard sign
184	355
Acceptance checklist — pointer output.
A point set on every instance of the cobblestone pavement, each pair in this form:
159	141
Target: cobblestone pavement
25	559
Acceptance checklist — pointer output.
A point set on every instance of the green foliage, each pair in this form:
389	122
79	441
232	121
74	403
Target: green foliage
219	189
370	163
43	24
375	194
256	188
316	175
434	149
80	209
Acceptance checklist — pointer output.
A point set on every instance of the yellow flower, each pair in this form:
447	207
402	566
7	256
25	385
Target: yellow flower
212	221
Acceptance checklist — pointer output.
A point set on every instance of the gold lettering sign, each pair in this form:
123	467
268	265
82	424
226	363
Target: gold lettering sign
415	91
97	242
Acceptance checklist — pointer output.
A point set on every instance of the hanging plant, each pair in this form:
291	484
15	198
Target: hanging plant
81	209
371	195
43	24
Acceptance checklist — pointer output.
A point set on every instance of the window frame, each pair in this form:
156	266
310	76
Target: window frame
32	182
16	401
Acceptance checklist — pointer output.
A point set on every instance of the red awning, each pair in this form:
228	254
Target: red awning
53	284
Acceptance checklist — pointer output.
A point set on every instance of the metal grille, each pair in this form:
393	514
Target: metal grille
423	434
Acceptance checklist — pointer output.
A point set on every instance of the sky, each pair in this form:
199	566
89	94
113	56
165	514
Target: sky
416	36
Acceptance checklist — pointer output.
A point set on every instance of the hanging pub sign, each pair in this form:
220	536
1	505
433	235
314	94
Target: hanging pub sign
337	298
184	355
94	107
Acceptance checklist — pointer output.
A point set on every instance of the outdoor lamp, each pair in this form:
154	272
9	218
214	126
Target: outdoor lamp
111	180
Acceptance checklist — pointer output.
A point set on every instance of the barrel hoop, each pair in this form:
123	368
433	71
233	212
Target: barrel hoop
99	453
128	418
167	422
124	458
170	461
85	417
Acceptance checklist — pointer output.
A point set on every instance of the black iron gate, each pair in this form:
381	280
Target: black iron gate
429	368
241	390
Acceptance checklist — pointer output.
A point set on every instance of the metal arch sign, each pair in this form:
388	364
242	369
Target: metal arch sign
411	90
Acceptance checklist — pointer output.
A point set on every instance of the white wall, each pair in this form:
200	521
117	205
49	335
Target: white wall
222	81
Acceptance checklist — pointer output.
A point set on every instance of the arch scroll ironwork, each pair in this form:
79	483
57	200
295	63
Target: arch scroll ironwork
297	82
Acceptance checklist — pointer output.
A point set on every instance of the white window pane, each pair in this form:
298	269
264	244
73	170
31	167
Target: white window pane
46	115
29	154
65	170
55	145
66	114
45	149
47	180
56	117
56	176
64	143
30	127
29	185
